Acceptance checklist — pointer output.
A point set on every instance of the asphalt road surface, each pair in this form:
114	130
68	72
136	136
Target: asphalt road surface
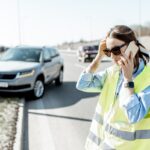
62	118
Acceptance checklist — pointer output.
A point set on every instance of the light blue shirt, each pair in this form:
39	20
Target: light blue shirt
136	106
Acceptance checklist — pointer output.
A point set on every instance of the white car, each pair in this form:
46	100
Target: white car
27	69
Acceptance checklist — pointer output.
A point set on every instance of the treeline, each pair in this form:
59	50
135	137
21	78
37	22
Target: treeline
77	44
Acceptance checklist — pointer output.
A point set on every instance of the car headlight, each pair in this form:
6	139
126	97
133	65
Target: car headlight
25	74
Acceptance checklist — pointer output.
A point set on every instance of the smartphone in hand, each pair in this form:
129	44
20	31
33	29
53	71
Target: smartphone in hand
132	47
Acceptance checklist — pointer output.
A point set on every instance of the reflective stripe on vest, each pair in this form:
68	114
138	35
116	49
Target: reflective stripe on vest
97	141
130	136
137	134
94	138
98	118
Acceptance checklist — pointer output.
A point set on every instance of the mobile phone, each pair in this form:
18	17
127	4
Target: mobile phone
132	47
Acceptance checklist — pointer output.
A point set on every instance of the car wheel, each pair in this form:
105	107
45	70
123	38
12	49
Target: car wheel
39	89
59	79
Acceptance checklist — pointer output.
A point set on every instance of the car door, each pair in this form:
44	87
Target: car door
55	59
48	66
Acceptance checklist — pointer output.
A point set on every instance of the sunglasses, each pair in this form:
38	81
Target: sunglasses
116	50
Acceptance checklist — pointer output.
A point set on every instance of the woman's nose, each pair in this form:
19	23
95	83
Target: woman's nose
112	56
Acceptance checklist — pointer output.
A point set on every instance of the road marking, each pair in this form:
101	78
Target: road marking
45	140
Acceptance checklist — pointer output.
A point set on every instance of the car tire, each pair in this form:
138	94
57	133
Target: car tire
59	79
39	89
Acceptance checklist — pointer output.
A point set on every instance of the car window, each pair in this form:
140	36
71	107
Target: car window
87	48
95	47
90	48
54	52
47	55
22	54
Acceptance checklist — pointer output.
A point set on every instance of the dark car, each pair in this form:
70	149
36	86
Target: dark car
27	69
87	52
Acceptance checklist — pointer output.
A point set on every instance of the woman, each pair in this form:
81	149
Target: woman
122	117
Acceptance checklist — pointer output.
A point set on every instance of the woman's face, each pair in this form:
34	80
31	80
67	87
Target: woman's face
111	43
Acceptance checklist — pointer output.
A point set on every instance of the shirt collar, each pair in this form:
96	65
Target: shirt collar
140	68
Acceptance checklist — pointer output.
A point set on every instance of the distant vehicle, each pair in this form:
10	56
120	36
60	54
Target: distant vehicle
28	69
85	53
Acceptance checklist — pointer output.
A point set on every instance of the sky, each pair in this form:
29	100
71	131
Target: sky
52	22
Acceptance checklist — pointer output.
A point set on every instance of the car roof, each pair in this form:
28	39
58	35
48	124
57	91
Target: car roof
34	47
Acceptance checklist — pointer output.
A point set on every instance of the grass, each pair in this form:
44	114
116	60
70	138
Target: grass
8	119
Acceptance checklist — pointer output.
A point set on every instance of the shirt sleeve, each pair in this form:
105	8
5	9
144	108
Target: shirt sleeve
89	82
136	106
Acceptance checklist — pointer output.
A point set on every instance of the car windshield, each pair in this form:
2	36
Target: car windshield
91	48
22	54
95	47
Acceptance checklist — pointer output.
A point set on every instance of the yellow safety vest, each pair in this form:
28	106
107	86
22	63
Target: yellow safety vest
110	128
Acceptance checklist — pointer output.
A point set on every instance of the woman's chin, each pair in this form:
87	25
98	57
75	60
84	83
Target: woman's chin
115	61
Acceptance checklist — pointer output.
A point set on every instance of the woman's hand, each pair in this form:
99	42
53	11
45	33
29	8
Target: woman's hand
127	65
102	46
96	61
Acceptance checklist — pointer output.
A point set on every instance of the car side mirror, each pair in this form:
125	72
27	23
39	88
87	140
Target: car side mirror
47	60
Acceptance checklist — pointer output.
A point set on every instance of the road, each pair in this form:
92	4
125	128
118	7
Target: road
62	118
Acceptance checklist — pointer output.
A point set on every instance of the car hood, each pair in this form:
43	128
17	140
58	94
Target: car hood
13	66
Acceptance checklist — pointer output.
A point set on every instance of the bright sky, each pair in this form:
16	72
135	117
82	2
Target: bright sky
51	22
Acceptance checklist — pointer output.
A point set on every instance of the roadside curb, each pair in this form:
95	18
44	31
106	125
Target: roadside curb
18	143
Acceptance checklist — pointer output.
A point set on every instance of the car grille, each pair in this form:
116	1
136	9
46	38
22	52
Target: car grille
7	76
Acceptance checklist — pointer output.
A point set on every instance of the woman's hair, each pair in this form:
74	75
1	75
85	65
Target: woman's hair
124	33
